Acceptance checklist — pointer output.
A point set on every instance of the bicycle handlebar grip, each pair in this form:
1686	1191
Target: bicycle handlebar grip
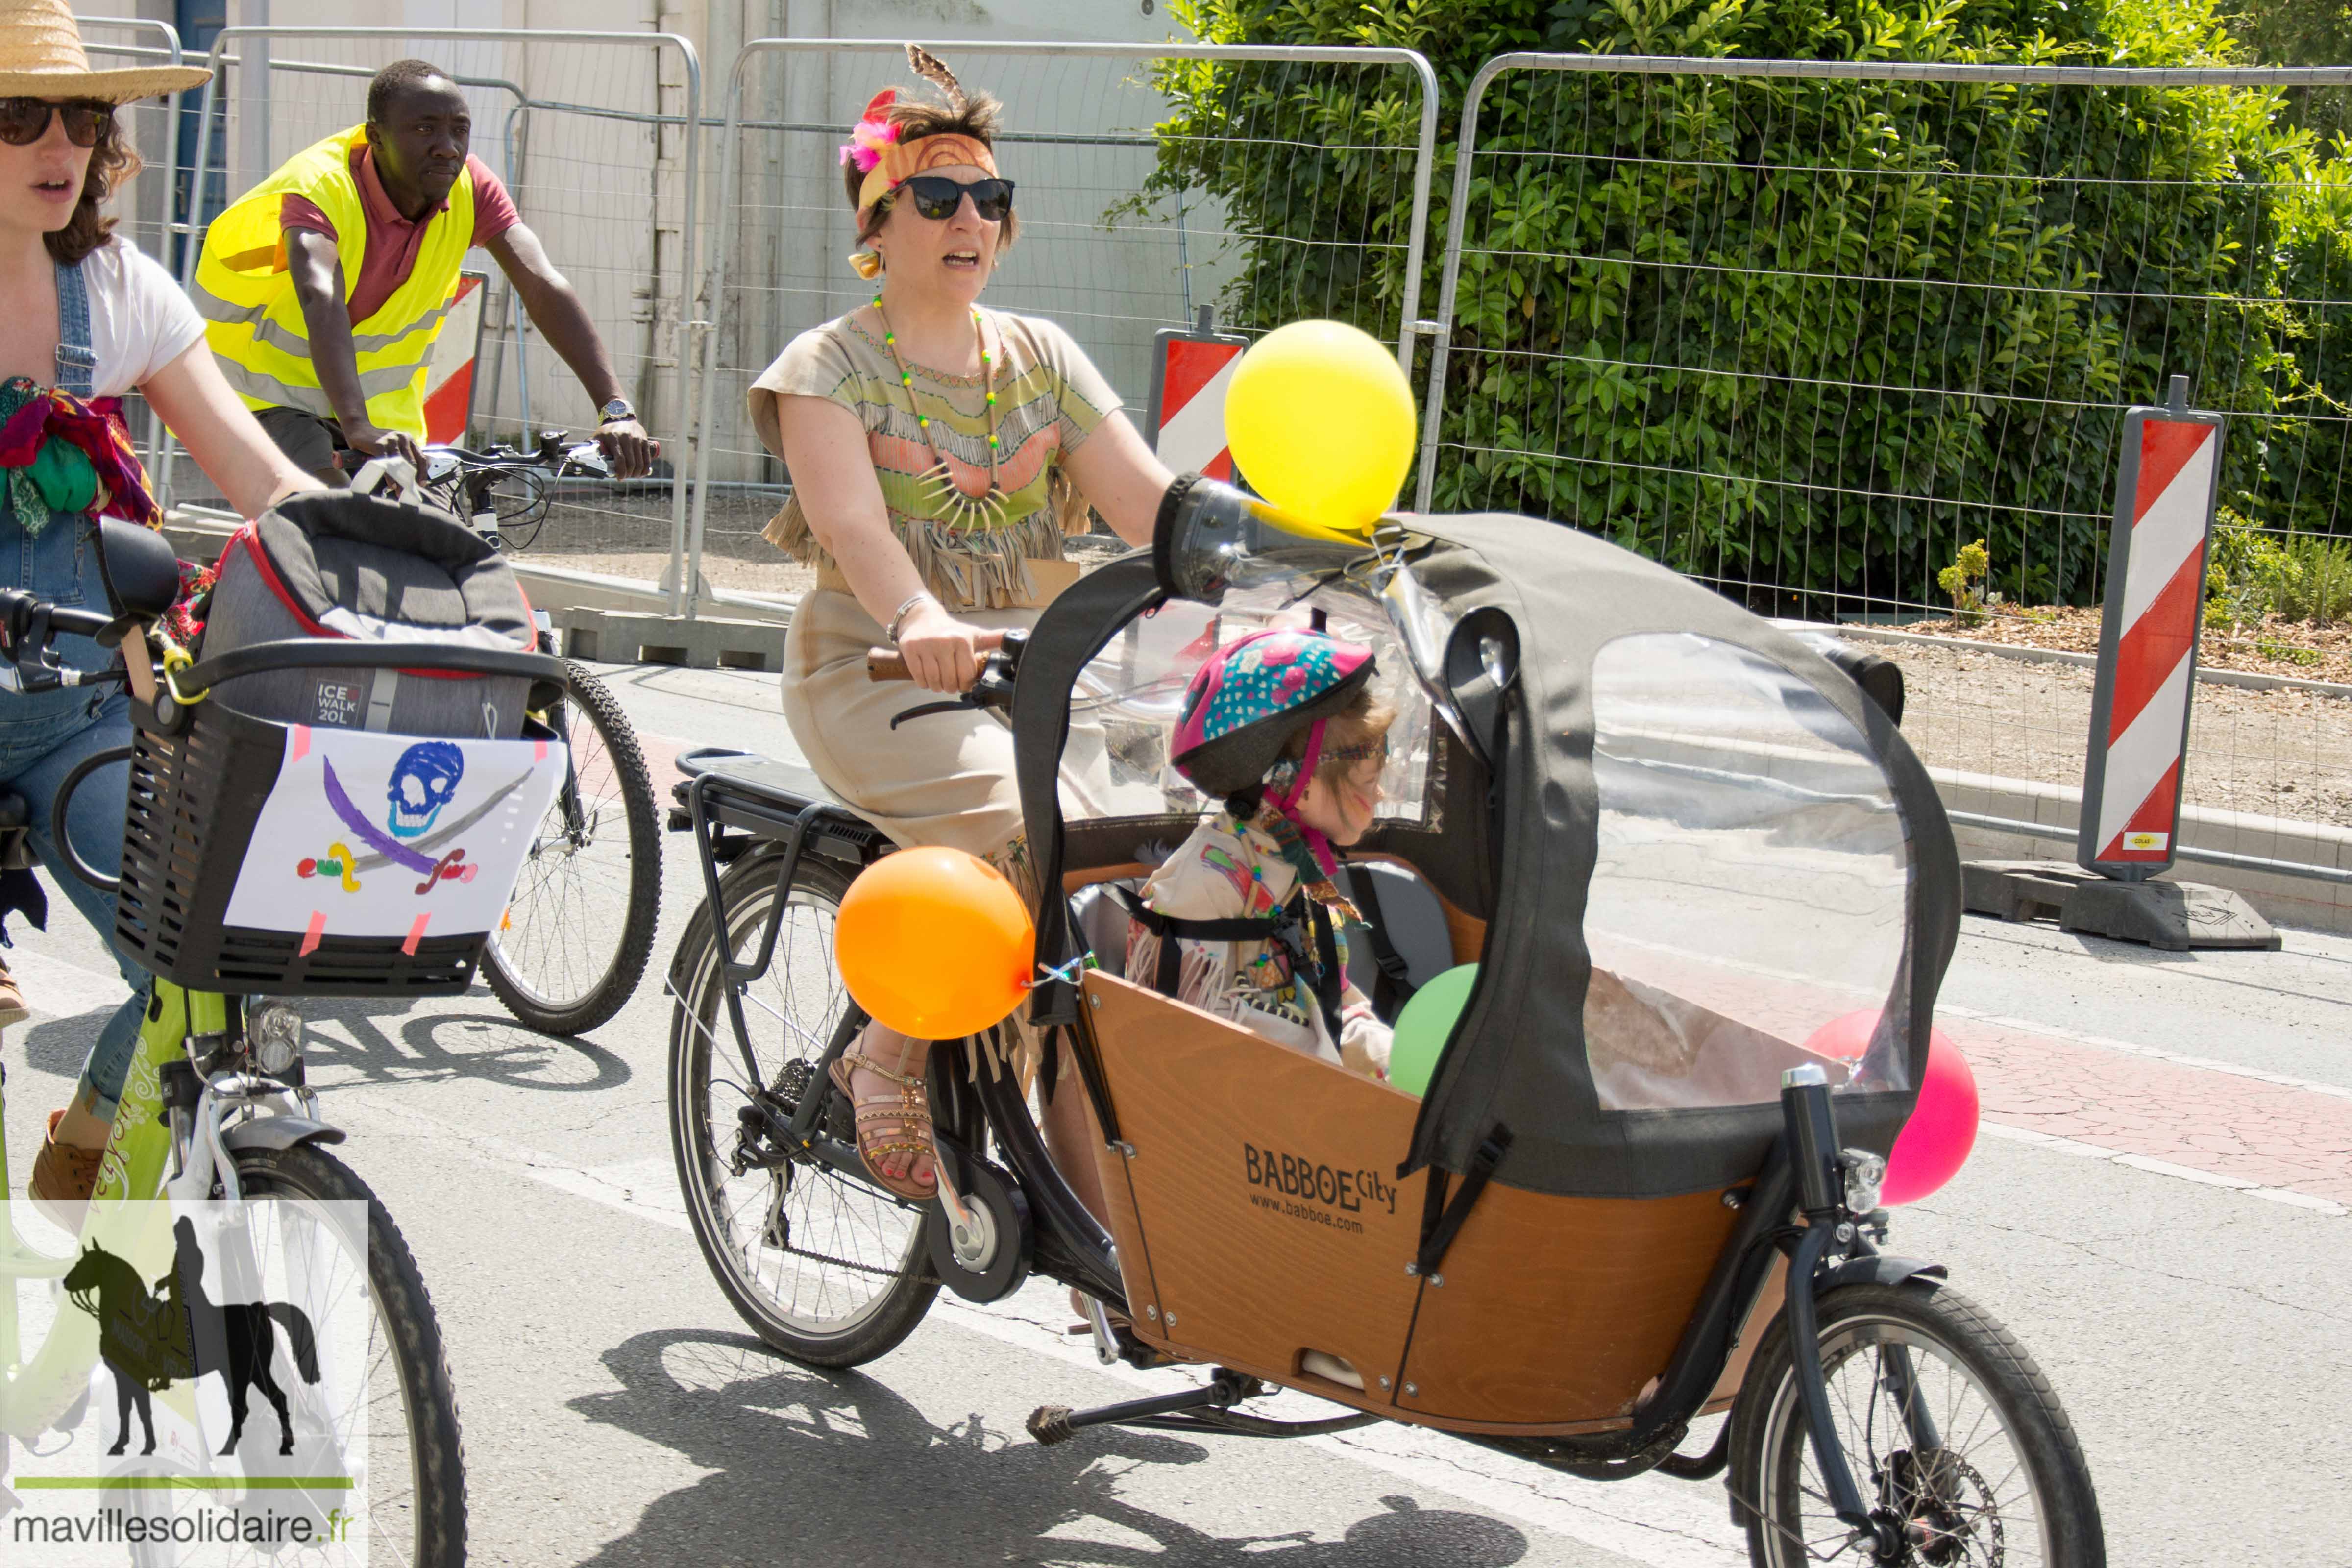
887	664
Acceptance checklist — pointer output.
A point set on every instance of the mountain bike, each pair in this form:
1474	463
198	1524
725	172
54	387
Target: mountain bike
216	1102
575	942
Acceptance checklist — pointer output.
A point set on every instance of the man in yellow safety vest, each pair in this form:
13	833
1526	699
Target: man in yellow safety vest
324	288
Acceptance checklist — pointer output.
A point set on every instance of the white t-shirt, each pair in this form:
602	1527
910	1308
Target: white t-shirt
140	319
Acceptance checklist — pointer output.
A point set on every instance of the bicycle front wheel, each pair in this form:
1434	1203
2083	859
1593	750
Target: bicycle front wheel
577	933
1950	1430
406	1431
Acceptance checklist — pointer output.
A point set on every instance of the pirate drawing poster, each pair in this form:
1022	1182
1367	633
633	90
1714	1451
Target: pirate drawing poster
374	835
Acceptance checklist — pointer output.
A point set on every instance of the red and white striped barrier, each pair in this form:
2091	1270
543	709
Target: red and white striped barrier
450	373
2148	642
1186	420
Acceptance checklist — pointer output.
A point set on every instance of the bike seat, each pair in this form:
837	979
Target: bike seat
13	812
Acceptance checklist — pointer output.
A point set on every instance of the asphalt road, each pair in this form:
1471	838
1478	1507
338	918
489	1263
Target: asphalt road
2158	1210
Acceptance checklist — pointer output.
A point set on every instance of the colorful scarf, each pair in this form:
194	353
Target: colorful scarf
1317	871
59	455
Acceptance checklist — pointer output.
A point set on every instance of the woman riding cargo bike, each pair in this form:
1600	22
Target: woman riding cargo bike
1626	1178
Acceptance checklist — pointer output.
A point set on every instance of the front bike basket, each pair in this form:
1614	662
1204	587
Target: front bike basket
342	813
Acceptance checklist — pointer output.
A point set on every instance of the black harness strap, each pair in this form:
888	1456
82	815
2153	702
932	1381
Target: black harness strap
1394	987
1437	1237
1281	927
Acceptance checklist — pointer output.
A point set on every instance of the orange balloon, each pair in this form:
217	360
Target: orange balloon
935	944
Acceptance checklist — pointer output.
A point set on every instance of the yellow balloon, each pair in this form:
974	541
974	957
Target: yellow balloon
1321	421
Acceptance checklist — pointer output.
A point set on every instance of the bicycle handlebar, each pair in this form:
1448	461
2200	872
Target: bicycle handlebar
303	653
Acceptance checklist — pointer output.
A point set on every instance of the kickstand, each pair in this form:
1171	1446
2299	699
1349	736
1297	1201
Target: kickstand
1051	1424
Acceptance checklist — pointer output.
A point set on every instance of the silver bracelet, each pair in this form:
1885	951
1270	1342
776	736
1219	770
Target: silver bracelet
899	616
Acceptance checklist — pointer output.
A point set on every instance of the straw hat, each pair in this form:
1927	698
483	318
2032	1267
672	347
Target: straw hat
41	57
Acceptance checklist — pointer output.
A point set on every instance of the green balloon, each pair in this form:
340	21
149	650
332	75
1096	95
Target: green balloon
1425	1024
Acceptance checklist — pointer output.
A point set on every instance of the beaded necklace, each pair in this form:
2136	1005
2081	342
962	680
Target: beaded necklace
949	502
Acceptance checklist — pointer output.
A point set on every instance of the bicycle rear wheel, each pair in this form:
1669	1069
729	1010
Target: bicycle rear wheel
829	1270
579	930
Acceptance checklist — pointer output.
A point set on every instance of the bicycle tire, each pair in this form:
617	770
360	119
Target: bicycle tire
574	1007
1770	1448
699	1024
437	1510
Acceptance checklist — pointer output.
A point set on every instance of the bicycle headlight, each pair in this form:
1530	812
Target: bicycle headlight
274	1030
1865	1173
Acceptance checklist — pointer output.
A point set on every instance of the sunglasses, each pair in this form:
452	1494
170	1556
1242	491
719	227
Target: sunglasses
25	120
937	197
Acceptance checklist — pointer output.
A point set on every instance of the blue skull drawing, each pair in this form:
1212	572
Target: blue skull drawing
421	786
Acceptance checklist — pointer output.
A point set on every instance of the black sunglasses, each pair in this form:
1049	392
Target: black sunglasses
937	196
25	120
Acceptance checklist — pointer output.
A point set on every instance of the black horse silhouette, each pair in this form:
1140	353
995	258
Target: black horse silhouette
150	1341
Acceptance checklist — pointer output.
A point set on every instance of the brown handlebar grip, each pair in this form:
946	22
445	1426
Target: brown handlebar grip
887	664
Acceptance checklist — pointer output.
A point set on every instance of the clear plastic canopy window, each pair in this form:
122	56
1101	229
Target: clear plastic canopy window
1116	764
1752	882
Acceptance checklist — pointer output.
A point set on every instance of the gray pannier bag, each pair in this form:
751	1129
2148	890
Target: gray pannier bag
341	564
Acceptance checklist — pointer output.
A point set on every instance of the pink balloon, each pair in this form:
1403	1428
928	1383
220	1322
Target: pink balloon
1942	1131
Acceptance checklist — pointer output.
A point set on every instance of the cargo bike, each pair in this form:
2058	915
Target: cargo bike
1687	852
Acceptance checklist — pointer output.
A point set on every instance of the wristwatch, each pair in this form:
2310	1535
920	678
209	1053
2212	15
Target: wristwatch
616	411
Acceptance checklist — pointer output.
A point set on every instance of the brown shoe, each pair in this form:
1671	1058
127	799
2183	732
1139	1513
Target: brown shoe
12	1000
63	1178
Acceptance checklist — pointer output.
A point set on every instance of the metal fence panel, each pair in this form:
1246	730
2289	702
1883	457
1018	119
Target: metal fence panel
1103	249
1803	329
591	132
144	208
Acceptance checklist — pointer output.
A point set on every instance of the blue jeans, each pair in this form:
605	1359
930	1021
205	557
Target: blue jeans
43	736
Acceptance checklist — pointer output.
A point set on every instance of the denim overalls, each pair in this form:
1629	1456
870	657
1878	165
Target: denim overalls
43	735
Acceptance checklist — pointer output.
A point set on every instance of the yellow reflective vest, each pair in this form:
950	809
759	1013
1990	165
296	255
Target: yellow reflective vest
255	324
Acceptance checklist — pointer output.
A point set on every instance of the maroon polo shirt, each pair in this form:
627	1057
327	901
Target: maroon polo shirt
392	241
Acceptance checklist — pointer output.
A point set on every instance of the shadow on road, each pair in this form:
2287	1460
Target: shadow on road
834	1468
435	1046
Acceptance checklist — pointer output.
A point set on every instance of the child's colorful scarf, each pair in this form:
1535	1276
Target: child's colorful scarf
60	455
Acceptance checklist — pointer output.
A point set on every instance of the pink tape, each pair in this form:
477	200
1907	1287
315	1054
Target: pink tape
302	744
416	935
317	928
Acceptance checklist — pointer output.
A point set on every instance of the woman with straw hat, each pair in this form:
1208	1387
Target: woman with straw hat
89	319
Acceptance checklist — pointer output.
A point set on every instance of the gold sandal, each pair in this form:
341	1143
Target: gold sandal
907	1112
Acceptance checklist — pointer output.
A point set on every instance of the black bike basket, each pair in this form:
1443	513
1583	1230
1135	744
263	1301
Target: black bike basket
312	847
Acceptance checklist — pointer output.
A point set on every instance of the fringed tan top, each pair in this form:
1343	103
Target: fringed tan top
1049	398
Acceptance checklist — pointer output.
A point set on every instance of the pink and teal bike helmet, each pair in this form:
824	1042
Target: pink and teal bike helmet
1255	693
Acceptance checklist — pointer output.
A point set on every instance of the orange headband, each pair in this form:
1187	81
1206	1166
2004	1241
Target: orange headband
873	146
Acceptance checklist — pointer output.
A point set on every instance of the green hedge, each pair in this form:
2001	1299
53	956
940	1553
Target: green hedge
1821	333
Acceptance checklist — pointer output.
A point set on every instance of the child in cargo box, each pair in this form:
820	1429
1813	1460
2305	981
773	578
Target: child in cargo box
1283	725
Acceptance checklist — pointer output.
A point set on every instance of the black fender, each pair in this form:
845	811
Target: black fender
278	1132
1879	1269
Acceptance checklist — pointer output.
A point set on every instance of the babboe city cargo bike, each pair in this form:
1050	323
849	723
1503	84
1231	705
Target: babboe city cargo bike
574	944
216	1102
1686	854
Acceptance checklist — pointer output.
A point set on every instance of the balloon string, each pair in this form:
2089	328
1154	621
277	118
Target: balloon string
1067	974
